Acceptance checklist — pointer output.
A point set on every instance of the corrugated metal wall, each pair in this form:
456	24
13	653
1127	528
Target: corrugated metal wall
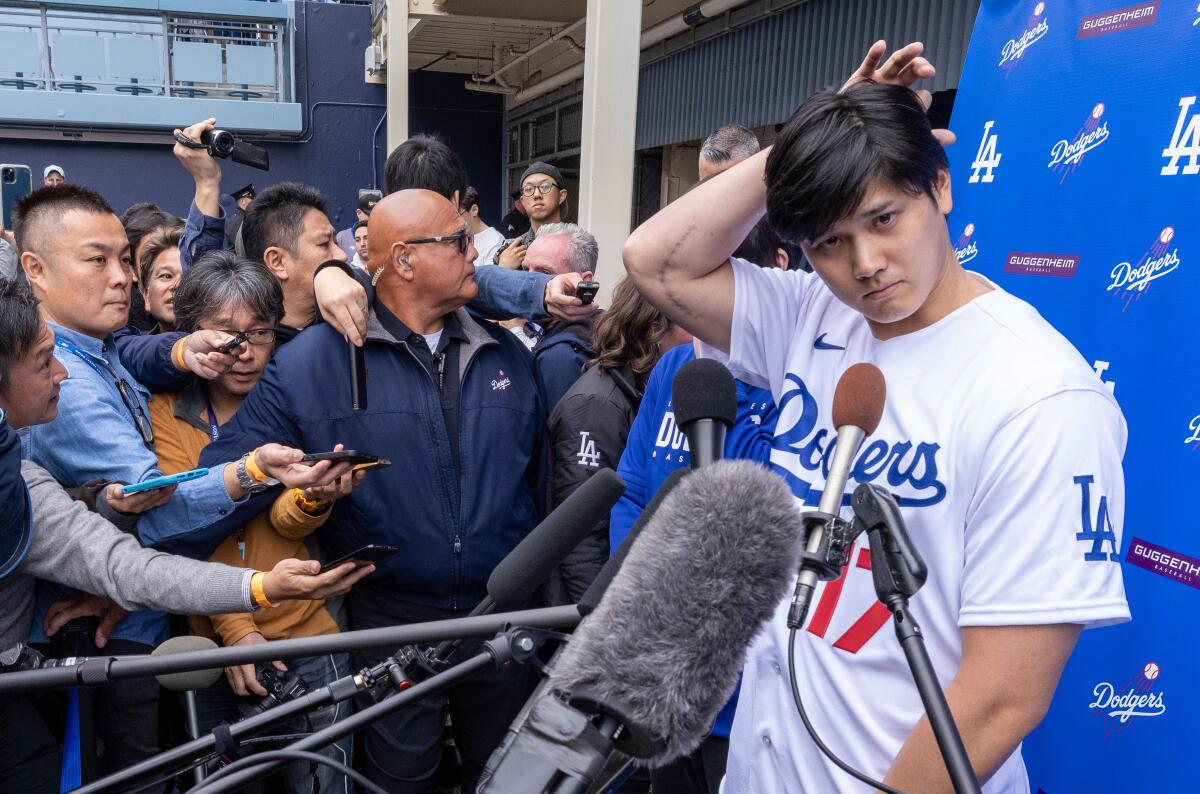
757	74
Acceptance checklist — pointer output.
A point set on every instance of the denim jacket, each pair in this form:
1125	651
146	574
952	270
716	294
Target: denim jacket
95	436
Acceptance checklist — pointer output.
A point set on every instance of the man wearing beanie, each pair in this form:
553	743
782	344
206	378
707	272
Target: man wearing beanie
544	199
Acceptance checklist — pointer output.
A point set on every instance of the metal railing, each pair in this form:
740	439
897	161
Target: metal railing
46	48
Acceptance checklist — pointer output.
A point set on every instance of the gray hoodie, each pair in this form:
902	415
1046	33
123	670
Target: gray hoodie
75	547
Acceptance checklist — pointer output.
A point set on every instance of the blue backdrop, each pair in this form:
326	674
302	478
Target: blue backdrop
1076	174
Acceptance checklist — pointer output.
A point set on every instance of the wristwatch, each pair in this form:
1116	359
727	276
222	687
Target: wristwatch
246	479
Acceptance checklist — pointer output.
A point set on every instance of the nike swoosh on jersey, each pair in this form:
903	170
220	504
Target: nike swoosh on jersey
821	344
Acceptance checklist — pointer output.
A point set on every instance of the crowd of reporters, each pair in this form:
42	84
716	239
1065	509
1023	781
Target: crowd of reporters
145	345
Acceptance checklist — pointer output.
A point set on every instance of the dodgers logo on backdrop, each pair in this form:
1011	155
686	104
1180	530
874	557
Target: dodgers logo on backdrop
1101	367
909	469
1035	28
1185	141
1120	706
1131	281
1193	434
1134	16
1066	155
987	158
966	249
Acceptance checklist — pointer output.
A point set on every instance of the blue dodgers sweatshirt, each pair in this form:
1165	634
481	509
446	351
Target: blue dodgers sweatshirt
656	447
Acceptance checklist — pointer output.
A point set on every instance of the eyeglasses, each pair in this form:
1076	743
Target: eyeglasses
462	237
135	410
255	336
543	188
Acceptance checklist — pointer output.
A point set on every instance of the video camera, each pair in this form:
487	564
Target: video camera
225	145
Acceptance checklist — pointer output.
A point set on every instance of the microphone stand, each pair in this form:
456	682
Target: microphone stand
512	645
898	572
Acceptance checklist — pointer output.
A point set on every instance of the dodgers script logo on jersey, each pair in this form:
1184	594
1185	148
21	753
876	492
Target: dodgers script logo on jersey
671	443
1066	155
965	249
909	468
1131	281
1014	49
1137	698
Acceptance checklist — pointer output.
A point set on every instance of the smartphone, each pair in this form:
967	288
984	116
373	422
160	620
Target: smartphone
344	455
362	557
586	291
16	182
375	464
234	344
163	482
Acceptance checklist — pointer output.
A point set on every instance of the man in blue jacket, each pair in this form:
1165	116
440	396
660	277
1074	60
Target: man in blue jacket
454	405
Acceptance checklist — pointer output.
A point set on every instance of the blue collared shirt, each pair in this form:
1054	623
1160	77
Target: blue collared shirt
95	436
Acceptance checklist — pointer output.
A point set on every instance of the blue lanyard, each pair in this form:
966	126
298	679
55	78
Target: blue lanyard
87	357
213	428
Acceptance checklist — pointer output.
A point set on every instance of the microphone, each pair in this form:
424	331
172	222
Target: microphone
704	398
857	408
190	680
646	673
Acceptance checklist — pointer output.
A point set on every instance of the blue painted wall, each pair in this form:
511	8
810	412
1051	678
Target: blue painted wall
336	153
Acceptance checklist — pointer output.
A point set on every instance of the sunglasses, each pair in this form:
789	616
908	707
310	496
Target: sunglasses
462	237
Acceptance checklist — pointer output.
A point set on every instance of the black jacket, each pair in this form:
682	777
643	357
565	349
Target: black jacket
587	432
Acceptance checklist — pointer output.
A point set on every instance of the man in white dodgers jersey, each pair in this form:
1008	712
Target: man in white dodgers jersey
1001	444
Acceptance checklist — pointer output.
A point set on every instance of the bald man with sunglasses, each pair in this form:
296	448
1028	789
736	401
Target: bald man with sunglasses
455	406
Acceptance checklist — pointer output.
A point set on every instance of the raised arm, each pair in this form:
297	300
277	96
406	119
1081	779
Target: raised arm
205	227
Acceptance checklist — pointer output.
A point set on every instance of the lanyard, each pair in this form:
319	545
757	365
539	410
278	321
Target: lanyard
213	428
87	357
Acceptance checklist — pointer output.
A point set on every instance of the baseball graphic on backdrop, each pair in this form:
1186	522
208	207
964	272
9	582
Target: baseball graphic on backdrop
1151	671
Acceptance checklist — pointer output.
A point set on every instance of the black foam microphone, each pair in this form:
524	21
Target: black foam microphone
647	672
704	398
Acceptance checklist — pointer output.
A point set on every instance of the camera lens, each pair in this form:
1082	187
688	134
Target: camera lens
9	175
223	143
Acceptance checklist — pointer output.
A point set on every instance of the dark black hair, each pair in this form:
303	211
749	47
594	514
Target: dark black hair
220	278
145	217
20	324
468	198
49	203
275	216
761	247
358	225
835	146
425	162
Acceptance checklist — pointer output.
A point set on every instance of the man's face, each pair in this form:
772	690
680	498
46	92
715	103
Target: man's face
30	395
444	275
251	359
83	272
360	242
542	207
160	289
548	255
244	201
316	243
52	179
888	256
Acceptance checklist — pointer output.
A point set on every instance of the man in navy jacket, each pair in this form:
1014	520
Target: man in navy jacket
454	405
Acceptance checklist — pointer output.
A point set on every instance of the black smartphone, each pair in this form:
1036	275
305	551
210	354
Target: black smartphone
234	344
586	291
362	557
343	455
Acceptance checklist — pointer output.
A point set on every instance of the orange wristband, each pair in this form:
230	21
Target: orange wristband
252	467
177	354
256	590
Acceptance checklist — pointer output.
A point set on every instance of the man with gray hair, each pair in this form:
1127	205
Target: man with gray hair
563	347
725	148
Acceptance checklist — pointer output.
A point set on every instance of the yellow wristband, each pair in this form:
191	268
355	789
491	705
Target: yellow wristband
257	592
313	507
252	467
177	354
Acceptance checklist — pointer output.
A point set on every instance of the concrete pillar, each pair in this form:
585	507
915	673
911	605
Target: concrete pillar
397	73
610	81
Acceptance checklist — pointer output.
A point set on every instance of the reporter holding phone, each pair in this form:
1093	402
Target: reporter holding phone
223	292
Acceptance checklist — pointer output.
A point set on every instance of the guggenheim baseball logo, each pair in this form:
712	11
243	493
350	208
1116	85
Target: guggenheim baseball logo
1057	265
1066	155
1137	698
1131	280
1138	15
1014	50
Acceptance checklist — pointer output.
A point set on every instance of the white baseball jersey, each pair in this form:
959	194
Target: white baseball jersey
1004	450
